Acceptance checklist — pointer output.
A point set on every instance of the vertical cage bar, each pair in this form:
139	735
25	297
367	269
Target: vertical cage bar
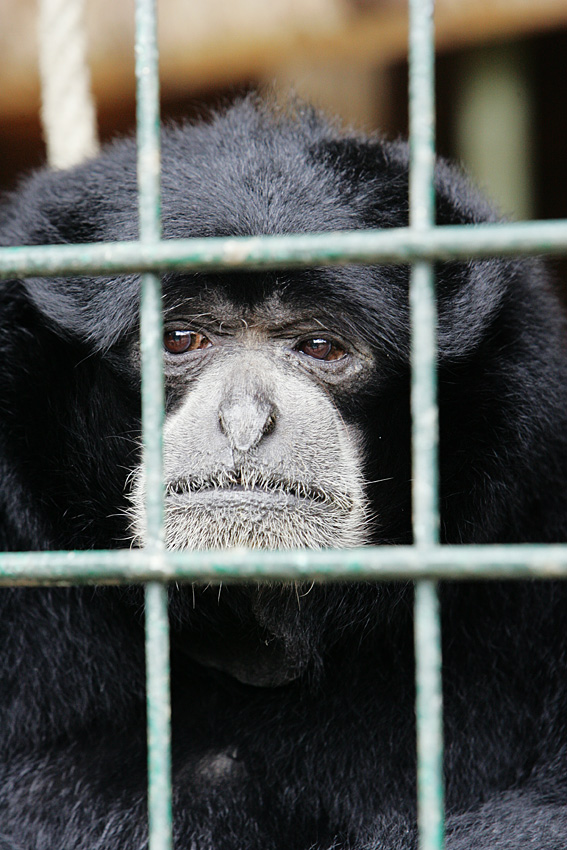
429	715
421	113
157	626
147	118
424	406
159	718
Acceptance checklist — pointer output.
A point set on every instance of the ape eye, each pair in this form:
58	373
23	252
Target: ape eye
321	349
180	341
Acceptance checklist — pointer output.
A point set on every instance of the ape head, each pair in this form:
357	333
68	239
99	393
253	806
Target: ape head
287	392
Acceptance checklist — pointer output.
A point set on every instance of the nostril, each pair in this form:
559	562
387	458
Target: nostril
222	423
270	423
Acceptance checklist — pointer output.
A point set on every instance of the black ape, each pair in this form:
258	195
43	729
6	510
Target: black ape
287	425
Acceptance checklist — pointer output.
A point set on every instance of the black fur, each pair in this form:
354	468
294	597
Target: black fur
327	761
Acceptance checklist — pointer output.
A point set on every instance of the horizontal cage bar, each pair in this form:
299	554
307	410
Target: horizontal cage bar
385	563
398	245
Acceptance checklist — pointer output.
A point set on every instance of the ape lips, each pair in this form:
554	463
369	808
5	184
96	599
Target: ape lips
287	424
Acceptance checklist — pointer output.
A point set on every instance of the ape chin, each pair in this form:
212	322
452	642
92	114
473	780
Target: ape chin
287	425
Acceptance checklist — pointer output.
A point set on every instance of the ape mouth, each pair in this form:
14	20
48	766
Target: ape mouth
240	485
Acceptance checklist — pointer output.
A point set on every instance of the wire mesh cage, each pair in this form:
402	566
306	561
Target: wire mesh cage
425	562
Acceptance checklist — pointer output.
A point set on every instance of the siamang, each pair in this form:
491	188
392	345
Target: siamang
287	425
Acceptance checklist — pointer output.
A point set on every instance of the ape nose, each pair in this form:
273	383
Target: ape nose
245	420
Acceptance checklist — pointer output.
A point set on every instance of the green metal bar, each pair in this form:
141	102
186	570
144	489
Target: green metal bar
421	114
427	629
157	625
385	563
159	717
425	431
147	121
398	245
151	345
429	717
148	152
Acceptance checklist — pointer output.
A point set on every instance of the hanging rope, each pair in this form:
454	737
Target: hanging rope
67	106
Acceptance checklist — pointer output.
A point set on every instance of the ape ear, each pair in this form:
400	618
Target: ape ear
99	312
91	203
470	293
373	177
50	209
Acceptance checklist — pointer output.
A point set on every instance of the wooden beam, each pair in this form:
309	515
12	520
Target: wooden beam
219	43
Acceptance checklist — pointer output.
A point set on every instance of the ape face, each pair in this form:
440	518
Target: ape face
256	451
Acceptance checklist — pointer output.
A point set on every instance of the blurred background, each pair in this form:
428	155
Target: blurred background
501	77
